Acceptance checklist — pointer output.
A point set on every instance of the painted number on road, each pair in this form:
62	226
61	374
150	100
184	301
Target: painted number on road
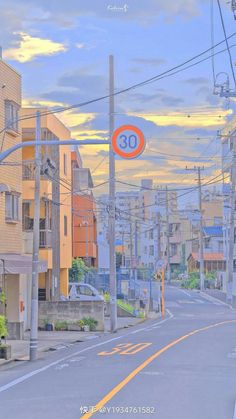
126	349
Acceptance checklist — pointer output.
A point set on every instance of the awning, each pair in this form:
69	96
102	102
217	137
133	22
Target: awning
11	263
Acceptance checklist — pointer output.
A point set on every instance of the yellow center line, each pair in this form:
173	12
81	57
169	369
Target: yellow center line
129	377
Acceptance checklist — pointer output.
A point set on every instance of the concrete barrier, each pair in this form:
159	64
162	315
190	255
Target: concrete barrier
71	311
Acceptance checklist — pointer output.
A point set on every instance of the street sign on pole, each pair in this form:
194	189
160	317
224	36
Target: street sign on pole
128	141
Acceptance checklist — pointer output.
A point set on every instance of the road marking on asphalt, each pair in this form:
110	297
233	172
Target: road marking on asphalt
186	302
199	301
151	373
186	293
52	364
61	367
126	349
137	370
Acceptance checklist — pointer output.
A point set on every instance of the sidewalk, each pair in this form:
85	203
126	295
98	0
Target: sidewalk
60	339
220	295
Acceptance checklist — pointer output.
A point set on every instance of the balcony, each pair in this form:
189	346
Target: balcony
45	240
28	171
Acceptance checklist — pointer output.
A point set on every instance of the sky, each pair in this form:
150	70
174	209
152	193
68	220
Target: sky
61	49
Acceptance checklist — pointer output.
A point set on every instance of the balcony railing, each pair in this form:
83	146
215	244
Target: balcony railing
45	238
28	170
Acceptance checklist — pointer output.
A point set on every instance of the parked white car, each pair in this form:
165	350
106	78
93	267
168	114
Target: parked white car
84	292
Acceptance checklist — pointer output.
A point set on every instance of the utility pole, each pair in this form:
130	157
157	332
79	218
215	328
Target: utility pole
230	234
201	252
111	222
136	256
131	248
56	215
87	242
201	255
168	238
35	257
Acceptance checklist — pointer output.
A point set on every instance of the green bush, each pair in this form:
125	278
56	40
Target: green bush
61	325
90	321
3	327
192	282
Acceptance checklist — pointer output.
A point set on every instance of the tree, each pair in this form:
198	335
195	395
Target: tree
78	270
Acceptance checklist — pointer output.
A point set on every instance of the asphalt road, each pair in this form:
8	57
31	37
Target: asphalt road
182	367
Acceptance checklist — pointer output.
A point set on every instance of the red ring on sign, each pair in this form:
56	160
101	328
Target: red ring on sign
134	153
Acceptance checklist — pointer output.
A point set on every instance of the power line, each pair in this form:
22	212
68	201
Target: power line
134	86
226	41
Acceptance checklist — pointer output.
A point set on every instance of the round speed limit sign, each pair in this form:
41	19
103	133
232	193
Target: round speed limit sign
128	141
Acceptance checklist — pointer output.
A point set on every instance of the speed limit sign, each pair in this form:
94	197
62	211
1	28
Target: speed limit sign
128	141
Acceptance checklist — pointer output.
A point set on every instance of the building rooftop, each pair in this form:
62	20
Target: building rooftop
214	231
208	256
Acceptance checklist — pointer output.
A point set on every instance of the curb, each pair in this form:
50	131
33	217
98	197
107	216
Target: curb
25	358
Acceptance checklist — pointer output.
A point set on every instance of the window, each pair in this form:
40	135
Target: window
83	290
151	250
12	207
65	225
11	115
151	234
173	249
65	163
27	222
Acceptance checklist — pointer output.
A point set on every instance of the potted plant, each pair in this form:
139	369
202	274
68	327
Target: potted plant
48	325
89	324
5	350
81	324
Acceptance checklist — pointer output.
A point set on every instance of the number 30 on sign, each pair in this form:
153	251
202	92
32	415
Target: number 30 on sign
128	141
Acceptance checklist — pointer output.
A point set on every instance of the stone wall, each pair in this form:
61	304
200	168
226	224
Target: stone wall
71	311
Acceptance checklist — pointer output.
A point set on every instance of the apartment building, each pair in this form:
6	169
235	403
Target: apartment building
84	216
55	203
14	264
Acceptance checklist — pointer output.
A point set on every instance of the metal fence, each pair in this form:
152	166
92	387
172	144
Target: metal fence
144	286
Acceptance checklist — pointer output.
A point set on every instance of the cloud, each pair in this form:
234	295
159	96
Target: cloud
171	100
79	46
197	81
149	61
28	48
192	119
30	102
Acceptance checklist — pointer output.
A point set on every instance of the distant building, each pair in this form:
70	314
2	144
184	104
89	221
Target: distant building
212	262
84	216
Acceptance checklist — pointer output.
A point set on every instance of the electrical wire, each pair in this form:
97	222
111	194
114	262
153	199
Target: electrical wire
226	41
134	86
